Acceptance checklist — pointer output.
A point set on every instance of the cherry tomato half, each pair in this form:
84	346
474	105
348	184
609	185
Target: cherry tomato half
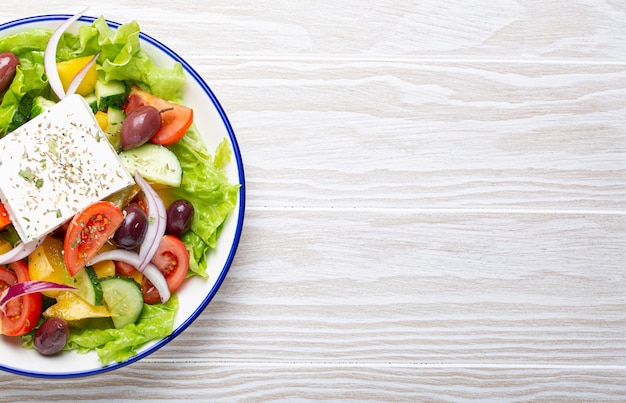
7	278
22	313
4	216
175	118
172	259
88	231
124	269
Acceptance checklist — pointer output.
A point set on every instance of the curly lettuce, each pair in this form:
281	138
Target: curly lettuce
121	58
117	345
30	78
206	186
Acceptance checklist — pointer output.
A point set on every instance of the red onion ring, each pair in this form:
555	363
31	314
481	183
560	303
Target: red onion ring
151	272
156	223
50	55
29	287
78	78
20	251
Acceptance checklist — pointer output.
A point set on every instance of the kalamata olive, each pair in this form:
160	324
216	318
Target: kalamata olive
179	216
140	124
133	229
8	64
51	336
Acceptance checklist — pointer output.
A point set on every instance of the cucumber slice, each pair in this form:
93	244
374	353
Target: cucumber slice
123	298
155	163
112	94
21	114
40	105
88	285
115	117
92	101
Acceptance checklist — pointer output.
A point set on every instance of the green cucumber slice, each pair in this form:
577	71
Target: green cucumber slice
115	118
111	94
123	297
88	286
40	105
155	163
92	101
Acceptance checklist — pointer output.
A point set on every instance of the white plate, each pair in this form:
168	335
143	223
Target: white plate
196	293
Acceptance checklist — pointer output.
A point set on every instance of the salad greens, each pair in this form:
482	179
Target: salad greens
30	79
156	322
121	58
205	185
204	182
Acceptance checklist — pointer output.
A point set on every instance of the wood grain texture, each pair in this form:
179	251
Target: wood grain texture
519	29
436	199
451	288
202	381
429	135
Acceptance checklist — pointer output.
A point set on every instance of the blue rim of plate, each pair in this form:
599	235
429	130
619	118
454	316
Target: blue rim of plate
242	199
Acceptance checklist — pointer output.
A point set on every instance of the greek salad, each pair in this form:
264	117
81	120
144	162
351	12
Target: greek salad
109	198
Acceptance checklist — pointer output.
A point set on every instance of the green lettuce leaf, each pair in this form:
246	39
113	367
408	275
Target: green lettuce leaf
22	43
197	253
122	58
116	345
206	186
30	79
10	235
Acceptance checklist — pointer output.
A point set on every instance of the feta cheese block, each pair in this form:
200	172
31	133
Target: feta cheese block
56	165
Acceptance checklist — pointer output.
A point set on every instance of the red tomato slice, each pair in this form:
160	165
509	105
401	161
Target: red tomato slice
22	313
4	216
124	269
7	278
172	259
175	118
88	231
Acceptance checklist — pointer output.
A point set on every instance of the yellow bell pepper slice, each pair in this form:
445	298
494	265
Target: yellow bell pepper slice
104	269
46	263
5	246
103	119
68	70
71	307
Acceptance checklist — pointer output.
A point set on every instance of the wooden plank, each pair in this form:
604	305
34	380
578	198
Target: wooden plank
330	28
481	135
436	203
398	286
216	381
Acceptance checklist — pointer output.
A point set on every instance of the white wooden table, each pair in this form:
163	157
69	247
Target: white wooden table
436	202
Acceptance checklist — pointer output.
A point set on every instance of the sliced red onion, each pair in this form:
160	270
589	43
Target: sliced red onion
132	258
78	78
29	287
156	223
121	255
50	55
20	251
